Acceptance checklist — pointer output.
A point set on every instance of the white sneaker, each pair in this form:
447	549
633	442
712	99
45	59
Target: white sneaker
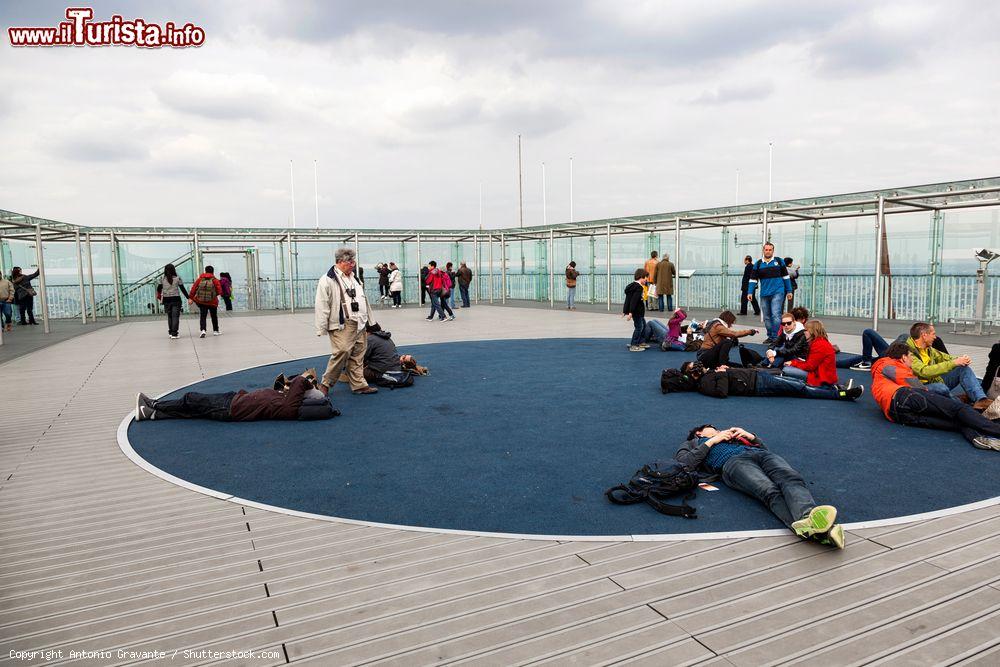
216	333
174	337
451	318
986	442
202	335
636	348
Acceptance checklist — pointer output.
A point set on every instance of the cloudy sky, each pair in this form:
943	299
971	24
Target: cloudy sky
409	107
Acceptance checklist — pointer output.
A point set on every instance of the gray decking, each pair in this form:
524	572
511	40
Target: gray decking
100	555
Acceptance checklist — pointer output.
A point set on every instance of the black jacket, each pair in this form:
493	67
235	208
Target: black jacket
747	270
730	382
633	301
797	347
693	454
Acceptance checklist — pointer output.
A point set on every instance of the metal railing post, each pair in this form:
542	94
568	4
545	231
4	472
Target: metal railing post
291	274
677	261
609	267
503	271
90	271
552	275
876	291
116	276
40	251
79	274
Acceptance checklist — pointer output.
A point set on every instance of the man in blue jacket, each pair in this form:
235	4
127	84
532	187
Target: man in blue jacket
771	274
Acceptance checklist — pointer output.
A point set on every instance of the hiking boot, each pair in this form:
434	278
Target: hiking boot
819	520
982	404
636	348
986	442
834	538
365	390
862	366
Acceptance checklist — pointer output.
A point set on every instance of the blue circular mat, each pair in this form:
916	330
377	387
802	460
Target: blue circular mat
524	436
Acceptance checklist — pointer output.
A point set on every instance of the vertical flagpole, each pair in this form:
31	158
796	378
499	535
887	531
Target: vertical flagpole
770	170
291	173
737	187
316	190
545	217
571	190
480	206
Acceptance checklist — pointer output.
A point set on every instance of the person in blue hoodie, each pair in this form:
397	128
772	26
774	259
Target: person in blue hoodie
771	275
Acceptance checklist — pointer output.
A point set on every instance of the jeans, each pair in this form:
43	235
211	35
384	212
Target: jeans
397	298
779	385
670	301
744	301
465	295
771	305
656	331
451	298
194	405
639	331
768	478
959	376
7	310
435	305
718	355
991	367
915	407
795	373
571	297
209	310
172	306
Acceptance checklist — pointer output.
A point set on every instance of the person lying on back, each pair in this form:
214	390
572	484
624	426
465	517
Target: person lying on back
724	381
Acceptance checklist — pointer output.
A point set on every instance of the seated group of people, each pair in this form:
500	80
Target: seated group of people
292	398
915	382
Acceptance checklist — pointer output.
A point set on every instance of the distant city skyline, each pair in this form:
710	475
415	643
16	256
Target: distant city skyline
410	108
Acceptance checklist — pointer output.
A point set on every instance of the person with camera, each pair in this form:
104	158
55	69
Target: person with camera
719	339
341	313
747	465
297	399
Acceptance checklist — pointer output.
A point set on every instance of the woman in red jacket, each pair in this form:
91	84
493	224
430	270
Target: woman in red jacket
820	367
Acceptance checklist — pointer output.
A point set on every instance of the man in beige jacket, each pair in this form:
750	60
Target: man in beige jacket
342	312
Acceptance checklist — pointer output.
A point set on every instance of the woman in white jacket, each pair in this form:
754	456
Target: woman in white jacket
395	285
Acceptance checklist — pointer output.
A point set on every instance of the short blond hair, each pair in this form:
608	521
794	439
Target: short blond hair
816	329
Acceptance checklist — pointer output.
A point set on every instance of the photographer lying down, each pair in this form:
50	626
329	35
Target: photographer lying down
725	381
297	399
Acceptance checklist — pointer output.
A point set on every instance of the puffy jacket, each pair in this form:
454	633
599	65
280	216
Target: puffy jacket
821	364
193	292
395	281
930	364
730	382
436	280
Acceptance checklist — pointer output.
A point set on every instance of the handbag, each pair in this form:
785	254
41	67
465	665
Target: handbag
651	294
30	291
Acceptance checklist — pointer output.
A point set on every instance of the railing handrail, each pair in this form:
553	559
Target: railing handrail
141	282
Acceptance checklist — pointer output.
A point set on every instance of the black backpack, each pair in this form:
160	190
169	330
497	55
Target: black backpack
654	483
672	380
395	379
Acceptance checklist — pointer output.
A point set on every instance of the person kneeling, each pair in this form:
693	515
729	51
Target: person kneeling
725	381
299	400
905	400
381	356
747	465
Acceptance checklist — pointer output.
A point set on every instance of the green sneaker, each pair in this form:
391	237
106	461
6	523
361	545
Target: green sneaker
835	537
821	518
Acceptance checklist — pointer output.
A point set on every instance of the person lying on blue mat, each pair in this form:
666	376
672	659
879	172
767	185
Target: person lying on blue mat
725	381
746	464
297	398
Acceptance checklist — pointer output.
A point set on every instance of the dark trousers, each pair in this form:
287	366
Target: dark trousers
991	368
209	310
423	293
768	478
917	407
718	355
397	298
26	309
193	405
445	307
383	289
743	302
229	302
464	290
172	306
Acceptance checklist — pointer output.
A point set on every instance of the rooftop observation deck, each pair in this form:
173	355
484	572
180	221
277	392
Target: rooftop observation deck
99	555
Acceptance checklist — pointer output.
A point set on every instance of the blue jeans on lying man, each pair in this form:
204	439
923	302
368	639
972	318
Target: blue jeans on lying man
769	384
959	377
768	478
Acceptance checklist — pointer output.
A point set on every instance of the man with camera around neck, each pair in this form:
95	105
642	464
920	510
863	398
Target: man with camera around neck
341	313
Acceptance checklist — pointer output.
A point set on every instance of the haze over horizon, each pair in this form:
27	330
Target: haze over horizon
409	107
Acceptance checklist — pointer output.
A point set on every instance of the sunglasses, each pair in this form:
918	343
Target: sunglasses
785	324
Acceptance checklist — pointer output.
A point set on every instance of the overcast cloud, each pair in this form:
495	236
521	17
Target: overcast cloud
408	107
